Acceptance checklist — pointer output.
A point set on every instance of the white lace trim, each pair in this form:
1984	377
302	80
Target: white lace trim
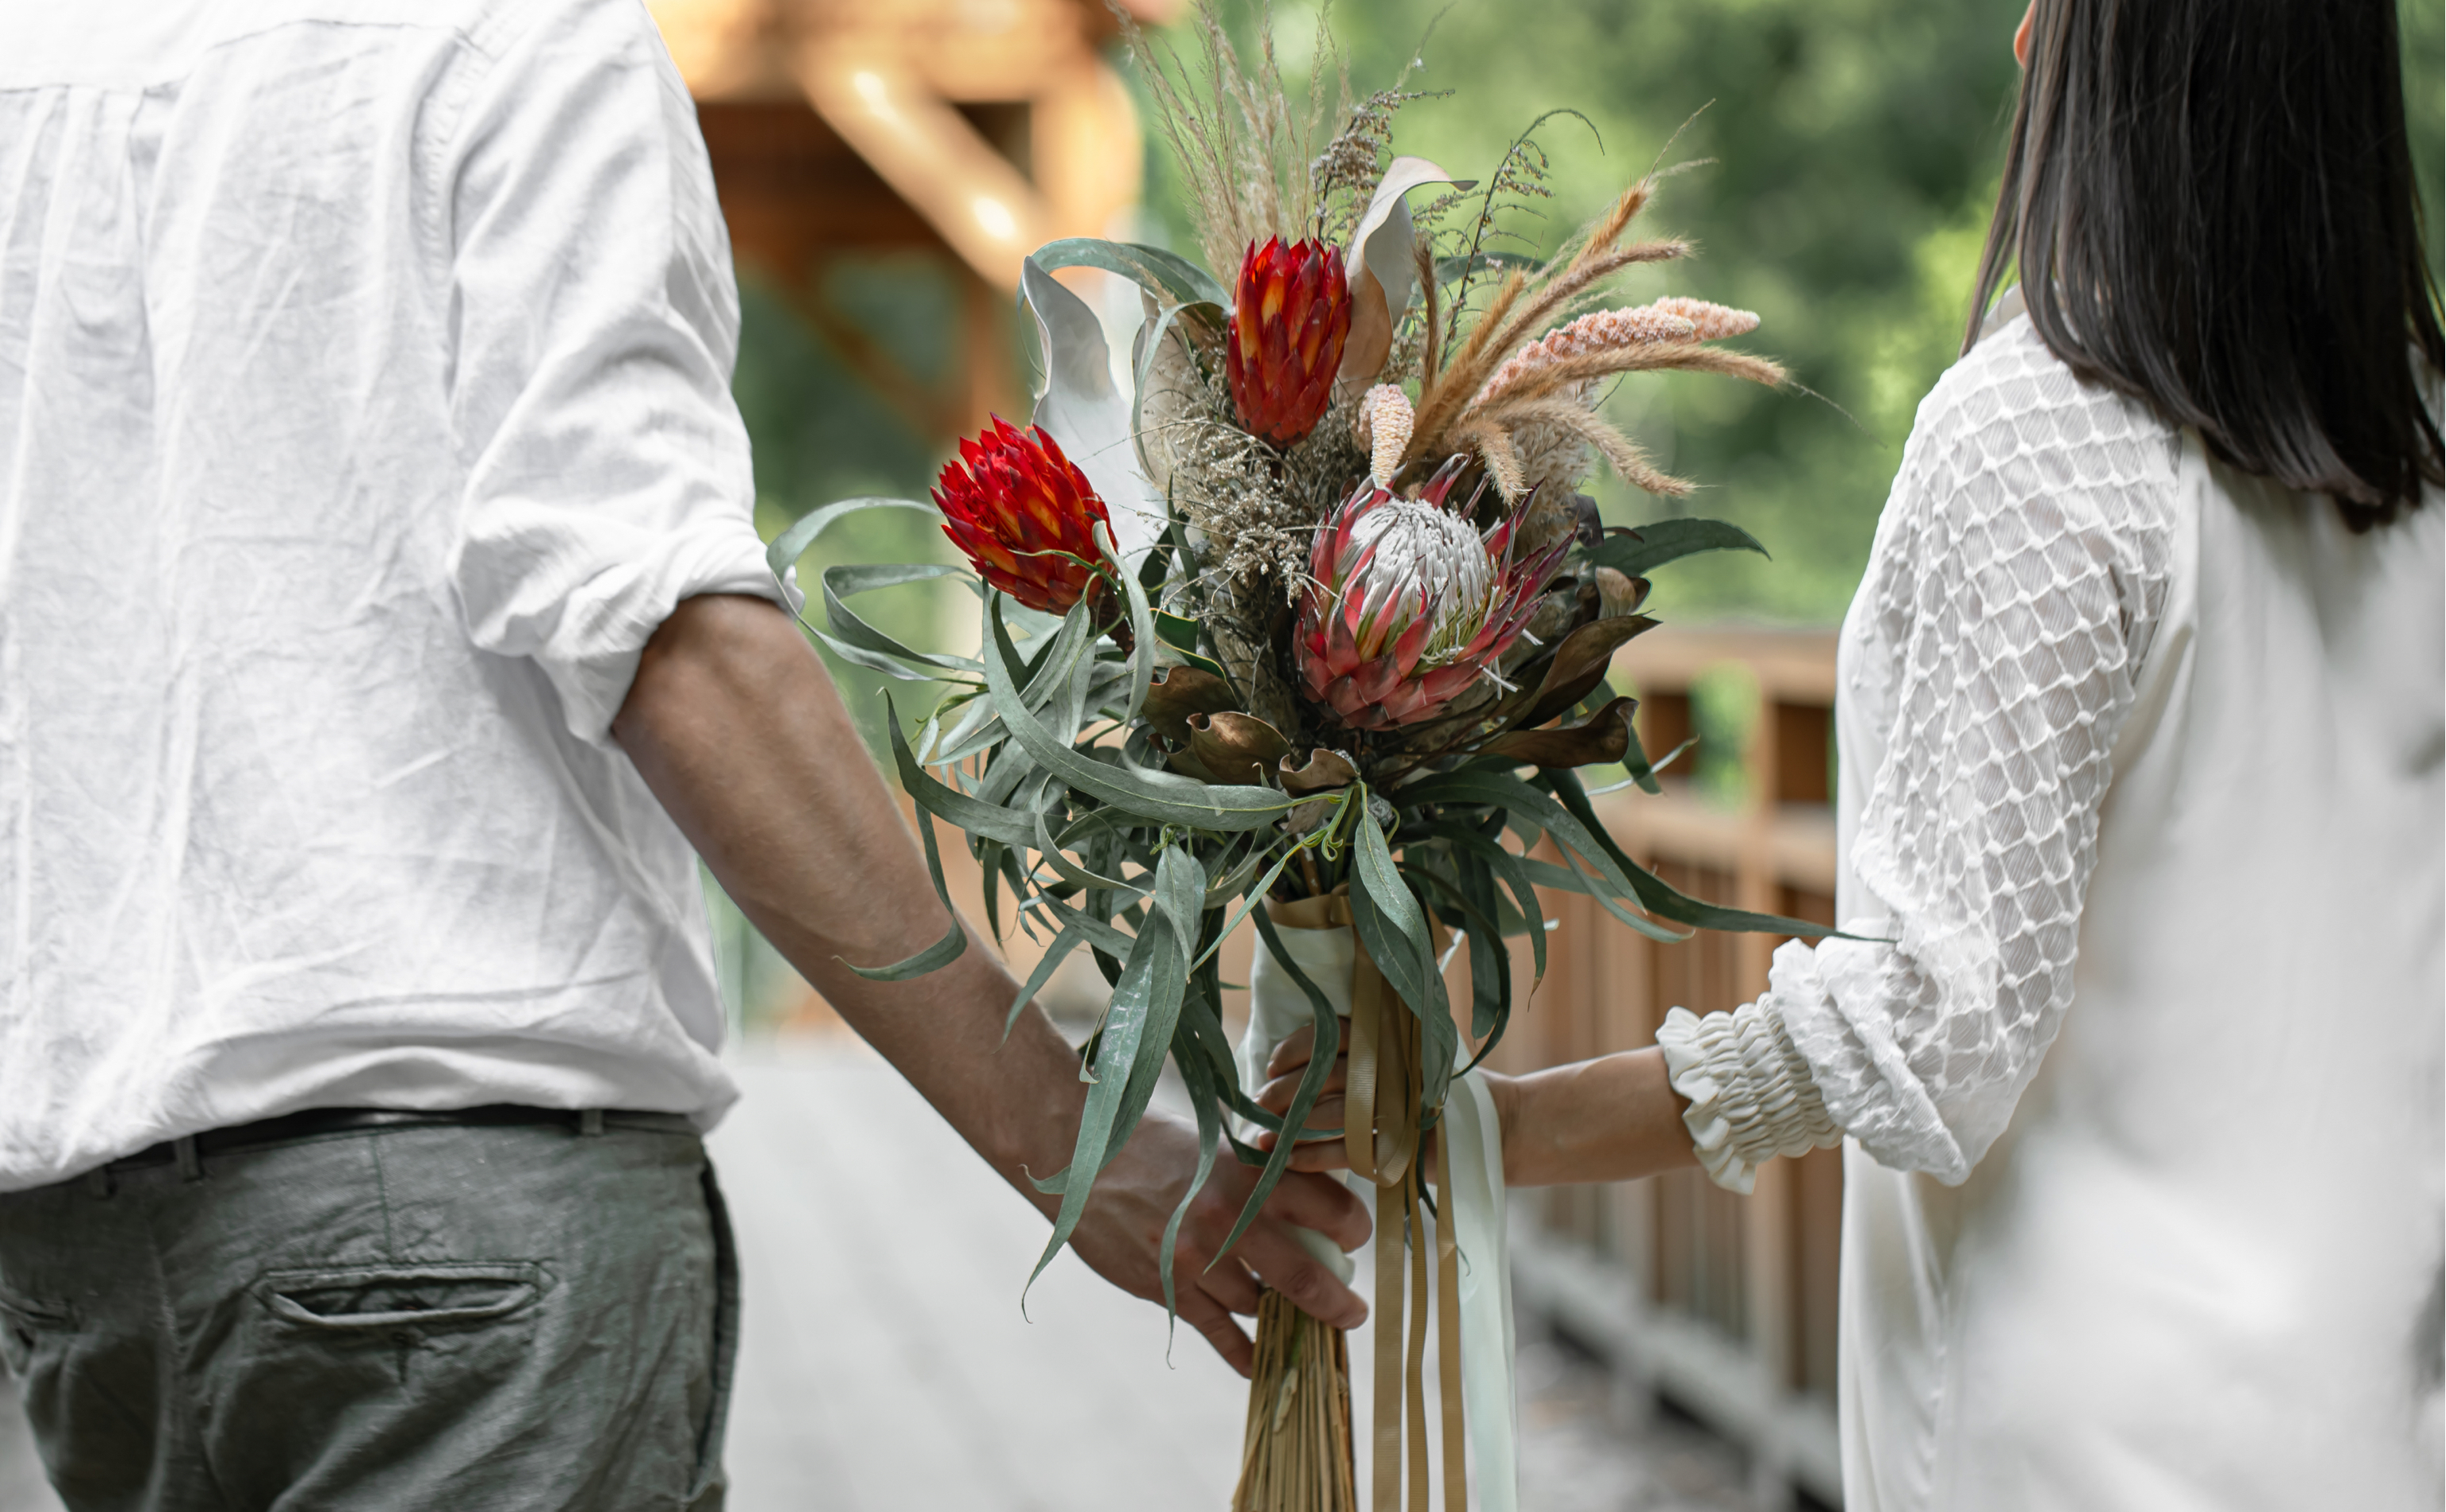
1751	1095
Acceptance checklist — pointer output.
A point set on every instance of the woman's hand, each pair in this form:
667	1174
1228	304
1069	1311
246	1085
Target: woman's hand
1290	1061
1289	1064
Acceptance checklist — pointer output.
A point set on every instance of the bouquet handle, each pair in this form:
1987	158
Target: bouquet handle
1473	1259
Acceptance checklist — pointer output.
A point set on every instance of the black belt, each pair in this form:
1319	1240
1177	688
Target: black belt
315	1123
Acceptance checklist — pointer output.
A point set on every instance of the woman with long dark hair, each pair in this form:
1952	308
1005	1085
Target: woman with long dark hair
2139	1055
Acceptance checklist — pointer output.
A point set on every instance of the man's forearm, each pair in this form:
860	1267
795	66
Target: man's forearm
734	723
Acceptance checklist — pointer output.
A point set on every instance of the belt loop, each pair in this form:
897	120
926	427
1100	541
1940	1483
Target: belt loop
191	1165
97	1184
590	1121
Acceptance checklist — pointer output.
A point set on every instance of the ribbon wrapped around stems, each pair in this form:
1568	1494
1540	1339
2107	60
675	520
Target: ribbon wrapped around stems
1472	1300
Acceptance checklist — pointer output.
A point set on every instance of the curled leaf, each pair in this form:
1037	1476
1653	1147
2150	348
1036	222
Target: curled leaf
1380	264
1606	736
1236	748
1324	770
1580	664
1087	413
1618	595
1179	692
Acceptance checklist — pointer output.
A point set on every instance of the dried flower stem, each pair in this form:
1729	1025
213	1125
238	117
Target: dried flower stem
1573	416
1662	356
1297	1455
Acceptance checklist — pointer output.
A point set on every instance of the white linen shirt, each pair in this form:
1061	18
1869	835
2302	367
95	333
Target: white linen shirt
364	408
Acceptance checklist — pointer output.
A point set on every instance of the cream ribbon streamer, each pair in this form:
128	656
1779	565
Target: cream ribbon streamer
1475	1199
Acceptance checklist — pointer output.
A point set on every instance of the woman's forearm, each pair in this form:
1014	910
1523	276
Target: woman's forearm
1615	1118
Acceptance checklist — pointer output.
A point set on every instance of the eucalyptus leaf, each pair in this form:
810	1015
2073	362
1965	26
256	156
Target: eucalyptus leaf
1151	796
1231	884
977	818
942	952
1152	978
1057	951
1202	1096
1142	641
1179	891
1490	998
1253	901
843	579
1661	897
1072	873
1328	1048
1164	274
1393	928
1513	871
1098	933
889	666
794	541
1541	812
1635	553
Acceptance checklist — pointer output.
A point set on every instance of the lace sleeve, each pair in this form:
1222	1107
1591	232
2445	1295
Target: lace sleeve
2018	575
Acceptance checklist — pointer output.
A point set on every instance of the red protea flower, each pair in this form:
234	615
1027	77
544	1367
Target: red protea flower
1290	313
1025	515
1407	604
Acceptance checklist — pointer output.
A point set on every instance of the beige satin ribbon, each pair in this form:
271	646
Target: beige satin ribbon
1381	1099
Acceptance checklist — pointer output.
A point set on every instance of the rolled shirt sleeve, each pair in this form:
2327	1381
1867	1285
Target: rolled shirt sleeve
595	322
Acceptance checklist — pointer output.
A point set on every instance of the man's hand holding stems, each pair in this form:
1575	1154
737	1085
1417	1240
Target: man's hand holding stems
735	725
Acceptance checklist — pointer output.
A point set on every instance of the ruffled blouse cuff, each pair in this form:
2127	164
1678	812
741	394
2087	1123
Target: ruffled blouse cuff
1751	1095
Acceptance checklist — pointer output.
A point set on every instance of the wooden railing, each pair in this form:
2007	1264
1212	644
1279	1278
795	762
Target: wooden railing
1724	1304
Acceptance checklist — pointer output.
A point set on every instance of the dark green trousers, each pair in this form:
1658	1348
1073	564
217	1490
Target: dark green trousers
440	1319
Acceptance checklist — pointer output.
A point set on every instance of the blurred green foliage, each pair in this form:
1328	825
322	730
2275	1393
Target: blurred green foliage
820	434
1854	145
1851	153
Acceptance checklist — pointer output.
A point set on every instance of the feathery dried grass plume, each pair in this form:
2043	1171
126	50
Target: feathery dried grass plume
1242	143
1601	331
1527	302
1521	397
1714	323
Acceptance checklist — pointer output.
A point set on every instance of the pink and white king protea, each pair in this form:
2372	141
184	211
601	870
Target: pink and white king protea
1407	604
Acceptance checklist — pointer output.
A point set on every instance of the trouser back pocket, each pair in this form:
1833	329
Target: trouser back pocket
405	1299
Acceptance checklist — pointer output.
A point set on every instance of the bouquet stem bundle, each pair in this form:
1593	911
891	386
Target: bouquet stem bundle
1297	1453
1385	1132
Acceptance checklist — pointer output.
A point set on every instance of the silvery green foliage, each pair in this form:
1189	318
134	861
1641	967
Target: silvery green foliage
1055	754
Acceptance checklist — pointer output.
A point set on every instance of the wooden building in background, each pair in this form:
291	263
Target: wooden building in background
977	130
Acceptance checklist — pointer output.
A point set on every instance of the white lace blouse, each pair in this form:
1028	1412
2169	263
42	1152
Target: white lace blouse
2018	575
2141	1054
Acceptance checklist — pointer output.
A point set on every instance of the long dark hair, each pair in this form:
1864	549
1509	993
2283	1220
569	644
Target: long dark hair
2212	205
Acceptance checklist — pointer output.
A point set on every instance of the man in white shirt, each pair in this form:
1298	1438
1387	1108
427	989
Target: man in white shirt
377	589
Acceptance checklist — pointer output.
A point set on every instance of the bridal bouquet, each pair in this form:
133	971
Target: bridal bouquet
1305	625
